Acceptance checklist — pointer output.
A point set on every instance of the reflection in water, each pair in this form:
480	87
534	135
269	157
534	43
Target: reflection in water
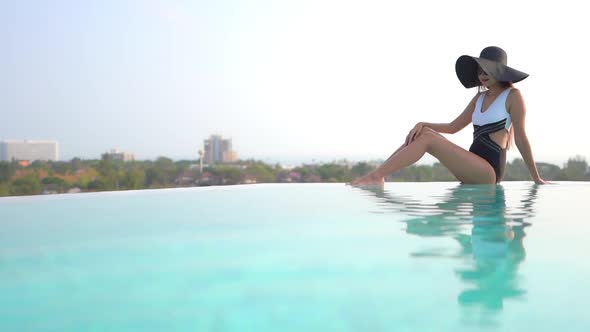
475	216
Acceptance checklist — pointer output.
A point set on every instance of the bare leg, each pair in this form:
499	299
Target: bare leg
403	146
369	177
388	159
396	151
466	166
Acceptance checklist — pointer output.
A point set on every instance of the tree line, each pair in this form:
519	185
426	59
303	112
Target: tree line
106	174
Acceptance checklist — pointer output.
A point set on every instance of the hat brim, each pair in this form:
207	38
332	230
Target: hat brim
466	69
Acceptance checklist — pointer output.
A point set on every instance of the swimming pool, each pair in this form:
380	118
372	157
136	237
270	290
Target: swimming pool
299	257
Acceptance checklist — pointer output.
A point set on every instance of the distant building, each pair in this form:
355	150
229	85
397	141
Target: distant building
28	150
120	155
230	156
218	150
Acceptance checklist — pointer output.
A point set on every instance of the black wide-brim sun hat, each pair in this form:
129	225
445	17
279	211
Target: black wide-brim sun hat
493	60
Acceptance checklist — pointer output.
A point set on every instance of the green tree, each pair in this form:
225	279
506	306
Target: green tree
60	167
282	175
7	170
39	165
184	164
164	163
102	183
308	172
261	172
361	169
516	171
110	172
418	173
155	178
576	169
229	174
133	178
4	189
334	173
76	164
550	172
441	173
161	173
27	185
59	183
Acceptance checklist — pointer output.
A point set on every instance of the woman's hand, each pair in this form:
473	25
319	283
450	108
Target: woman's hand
414	133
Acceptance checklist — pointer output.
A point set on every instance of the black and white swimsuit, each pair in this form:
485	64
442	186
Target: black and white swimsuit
494	119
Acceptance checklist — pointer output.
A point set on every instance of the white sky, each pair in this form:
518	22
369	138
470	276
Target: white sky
288	81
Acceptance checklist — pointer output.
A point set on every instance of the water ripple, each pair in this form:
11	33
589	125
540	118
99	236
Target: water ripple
489	233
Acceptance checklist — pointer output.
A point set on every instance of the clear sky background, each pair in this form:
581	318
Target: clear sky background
288	81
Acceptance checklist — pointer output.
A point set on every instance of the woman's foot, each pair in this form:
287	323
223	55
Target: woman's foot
370	179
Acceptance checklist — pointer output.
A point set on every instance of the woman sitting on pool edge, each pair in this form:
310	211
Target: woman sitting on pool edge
497	111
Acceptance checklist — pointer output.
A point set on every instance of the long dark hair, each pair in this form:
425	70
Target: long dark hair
480	89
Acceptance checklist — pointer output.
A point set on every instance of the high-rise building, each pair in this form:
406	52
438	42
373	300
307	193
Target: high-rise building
28	150
120	155
218	150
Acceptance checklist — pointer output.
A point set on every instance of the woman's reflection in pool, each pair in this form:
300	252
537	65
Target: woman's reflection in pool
487	231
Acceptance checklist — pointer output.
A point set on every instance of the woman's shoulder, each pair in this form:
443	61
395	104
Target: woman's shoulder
477	95
514	99
514	95
514	89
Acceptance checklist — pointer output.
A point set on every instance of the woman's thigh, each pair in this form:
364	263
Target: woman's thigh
466	166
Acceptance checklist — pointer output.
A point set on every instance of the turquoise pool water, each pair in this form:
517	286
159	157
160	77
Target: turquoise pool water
299	257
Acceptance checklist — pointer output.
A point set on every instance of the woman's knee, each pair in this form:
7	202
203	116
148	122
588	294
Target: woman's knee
433	132
431	138
428	133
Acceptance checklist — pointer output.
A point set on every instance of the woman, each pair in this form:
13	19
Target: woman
497	112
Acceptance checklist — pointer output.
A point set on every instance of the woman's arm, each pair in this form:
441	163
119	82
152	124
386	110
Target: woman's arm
517	110
446	128
459	123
